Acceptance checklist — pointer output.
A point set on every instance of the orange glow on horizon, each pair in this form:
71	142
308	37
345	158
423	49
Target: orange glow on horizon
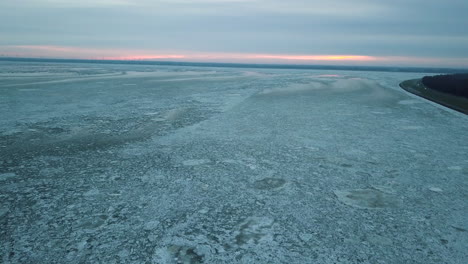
231	56
69	52
116	54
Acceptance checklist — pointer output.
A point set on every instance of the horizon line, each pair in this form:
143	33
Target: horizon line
73	52
385	68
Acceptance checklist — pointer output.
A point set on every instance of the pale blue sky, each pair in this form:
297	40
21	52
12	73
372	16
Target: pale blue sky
397	32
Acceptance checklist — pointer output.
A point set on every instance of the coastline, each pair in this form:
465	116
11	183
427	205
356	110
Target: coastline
416	87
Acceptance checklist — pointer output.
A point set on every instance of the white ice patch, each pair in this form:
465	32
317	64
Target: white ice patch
134	151
354	152
384	189
306	237
10	132
411	127
28	90
408	102
293	88
378	113
91	192
328	76
379	240
351	84
435	189
355	83
366	198
195	162
175	114
6	176
255	230
254	74
231	161
151	225
151	113
203	210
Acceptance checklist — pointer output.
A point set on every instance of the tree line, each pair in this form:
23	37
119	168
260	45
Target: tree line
455	84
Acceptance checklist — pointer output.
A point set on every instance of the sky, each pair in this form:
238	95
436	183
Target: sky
430	33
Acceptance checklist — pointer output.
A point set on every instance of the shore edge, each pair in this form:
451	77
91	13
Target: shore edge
416	87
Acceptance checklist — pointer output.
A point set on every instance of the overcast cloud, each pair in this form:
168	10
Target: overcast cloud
429	29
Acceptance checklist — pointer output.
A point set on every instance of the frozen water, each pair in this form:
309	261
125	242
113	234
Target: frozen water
366	198
269	183
159	164
195	162
435	189
5	176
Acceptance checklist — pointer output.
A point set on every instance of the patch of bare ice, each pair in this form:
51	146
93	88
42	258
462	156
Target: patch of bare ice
6	176
195	162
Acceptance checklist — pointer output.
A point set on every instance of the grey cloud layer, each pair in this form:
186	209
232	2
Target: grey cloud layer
399	28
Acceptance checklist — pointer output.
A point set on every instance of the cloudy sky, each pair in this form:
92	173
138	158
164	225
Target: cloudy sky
340	32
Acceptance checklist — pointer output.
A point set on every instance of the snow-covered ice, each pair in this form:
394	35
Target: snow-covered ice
161	164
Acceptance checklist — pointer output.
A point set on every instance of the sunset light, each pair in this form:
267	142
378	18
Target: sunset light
48	51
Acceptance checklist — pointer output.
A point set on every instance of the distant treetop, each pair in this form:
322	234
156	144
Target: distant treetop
455	84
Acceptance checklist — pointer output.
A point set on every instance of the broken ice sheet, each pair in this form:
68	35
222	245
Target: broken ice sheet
366	198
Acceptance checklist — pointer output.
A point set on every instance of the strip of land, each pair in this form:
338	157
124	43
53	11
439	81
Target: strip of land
416	87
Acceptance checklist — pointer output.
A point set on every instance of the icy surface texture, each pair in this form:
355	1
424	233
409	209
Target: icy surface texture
152	164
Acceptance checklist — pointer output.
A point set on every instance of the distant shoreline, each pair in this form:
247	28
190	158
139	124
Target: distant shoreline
245	65
416	87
